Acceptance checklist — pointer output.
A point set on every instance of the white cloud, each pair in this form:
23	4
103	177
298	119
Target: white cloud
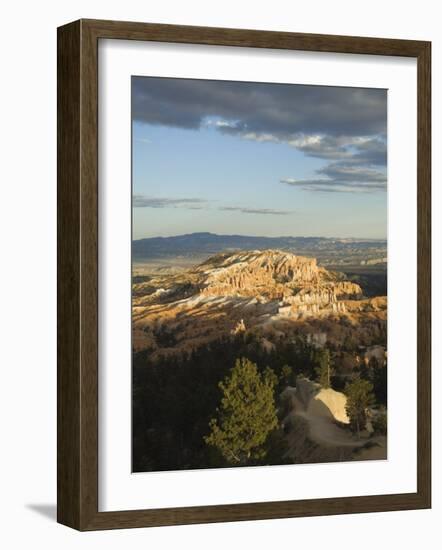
265	211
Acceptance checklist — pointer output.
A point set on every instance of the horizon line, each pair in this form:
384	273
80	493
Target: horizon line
260	236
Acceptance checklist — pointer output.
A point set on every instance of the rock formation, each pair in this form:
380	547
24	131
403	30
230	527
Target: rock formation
300	286
315	424
270	293
239	328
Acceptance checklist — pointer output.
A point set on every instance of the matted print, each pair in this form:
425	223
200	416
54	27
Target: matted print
259	274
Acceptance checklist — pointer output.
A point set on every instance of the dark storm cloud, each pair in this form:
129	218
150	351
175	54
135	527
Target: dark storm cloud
282	110
344	126
371	152
140	201
265	211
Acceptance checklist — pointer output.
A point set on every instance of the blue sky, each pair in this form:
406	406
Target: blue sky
258	159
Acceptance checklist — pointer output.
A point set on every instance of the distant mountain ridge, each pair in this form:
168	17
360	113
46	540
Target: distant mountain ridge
211	243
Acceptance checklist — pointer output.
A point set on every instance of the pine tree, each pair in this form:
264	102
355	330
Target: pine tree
380	383
323	370
359	398
286	376
380	422
246	415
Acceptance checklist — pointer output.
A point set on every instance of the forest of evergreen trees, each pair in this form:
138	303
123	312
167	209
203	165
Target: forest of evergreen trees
176	397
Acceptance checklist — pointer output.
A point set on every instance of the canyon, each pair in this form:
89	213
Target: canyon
271	294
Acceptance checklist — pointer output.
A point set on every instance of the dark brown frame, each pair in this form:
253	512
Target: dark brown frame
78	267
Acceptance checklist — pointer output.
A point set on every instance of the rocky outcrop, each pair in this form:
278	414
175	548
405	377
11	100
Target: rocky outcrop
377	353
239	328
269	294
316	426
300	286
271	274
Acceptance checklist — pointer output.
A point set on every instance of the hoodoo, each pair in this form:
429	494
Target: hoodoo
264	292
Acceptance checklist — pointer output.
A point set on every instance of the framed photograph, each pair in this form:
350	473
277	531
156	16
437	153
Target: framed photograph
243	275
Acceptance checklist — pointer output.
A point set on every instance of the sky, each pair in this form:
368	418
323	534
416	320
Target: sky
258	159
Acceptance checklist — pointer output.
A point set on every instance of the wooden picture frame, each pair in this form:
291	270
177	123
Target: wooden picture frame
78	274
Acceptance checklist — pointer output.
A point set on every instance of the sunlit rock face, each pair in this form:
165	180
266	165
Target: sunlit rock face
270	273
270	294
296	282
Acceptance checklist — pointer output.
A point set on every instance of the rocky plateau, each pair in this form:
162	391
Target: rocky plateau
270	293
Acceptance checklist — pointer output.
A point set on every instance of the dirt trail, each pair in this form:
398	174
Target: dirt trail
316	414
320	420
324	432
